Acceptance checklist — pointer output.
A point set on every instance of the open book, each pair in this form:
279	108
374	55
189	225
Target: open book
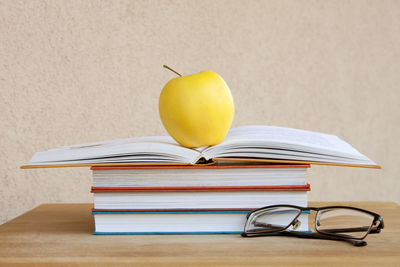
248	143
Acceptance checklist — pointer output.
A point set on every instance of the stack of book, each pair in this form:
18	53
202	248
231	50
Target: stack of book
151	185
192	199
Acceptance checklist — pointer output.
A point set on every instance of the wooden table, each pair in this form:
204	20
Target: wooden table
62	233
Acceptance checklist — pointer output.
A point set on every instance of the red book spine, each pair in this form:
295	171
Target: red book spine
278	166
201	189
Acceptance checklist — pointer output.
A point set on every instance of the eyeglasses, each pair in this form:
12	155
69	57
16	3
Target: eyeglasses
333	222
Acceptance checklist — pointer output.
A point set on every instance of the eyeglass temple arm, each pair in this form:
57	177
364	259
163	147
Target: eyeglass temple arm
333	231
270	226
346	230
349	230
358	243
320	236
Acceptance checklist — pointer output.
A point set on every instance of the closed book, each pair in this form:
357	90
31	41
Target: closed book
175	222
199	175
234	197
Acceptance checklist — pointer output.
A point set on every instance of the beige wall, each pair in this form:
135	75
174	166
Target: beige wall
81	71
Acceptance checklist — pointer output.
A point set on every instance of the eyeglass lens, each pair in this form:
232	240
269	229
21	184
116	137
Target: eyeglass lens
277	219
345	222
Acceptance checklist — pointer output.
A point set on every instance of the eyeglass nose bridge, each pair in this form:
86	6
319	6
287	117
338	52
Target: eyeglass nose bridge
296	224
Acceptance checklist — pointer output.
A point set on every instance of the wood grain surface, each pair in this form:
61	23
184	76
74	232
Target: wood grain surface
61	234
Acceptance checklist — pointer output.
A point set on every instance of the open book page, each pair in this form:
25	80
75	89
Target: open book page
259	142
152	149
271	142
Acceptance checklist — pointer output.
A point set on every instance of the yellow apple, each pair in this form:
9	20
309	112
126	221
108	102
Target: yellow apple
197	110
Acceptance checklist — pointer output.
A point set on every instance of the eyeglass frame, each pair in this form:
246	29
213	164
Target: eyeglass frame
318	234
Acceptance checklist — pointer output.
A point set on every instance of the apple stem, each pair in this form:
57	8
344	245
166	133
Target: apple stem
165	66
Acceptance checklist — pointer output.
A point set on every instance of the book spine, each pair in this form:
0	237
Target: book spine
201	189
201	166
192	211
240	210
171	233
